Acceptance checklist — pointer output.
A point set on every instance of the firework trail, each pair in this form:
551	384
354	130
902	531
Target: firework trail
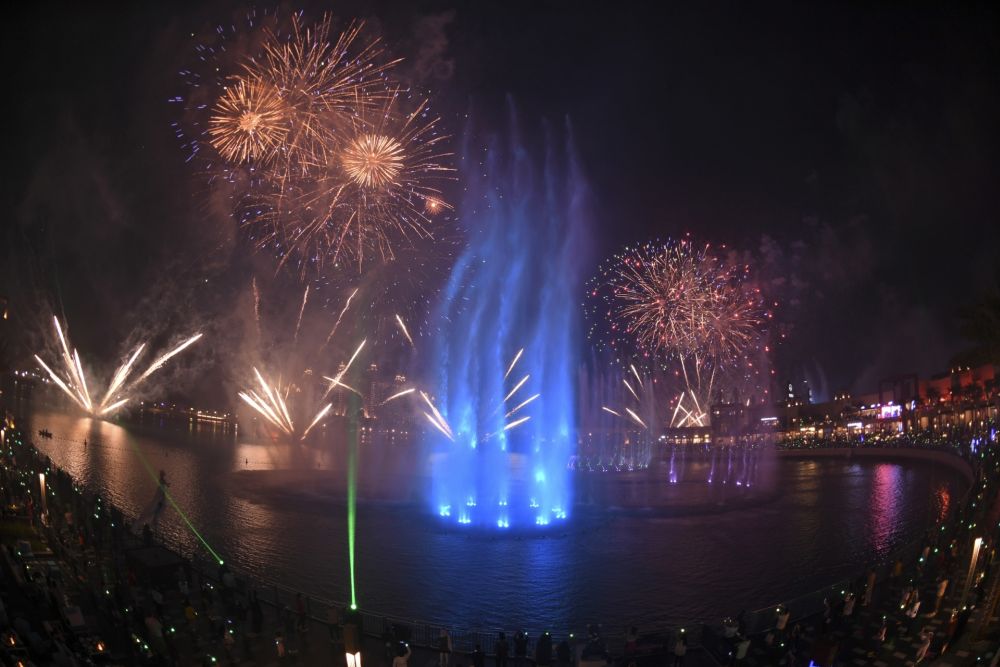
441	424
635	417
643	402
256	305
521	405
402	327
516	387
74	384
336	380
316	419
270	400
399	394
513	363
158	364
302	310
516	422
630	389
121	374
347	304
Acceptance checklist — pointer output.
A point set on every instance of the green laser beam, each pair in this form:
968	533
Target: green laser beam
352	495
170	499
351	516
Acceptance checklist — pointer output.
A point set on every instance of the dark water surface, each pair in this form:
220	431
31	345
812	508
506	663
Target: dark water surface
637	549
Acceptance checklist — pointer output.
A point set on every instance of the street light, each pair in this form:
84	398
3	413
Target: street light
41	487
976	545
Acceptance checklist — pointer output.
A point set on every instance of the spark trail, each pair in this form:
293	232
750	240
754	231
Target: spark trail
119	392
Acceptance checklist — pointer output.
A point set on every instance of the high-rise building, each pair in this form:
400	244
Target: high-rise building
373	394
339	396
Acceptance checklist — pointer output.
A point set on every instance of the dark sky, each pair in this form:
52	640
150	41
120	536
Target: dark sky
850	149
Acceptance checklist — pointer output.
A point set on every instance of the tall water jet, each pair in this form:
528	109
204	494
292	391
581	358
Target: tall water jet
507	358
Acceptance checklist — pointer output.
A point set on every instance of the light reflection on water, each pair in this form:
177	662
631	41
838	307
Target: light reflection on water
277	512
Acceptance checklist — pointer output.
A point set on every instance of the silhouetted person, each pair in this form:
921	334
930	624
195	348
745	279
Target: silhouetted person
256	615
402	656
543	650
444	648
520	648
564	656
963	619
680	649
478	657
502	649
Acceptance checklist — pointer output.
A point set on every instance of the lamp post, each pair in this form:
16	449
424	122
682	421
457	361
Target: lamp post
976	546
41	487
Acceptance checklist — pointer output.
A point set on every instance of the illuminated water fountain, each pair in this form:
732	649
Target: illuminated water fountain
504	406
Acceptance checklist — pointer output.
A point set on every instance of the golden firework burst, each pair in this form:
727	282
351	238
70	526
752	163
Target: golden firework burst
249	122
373	160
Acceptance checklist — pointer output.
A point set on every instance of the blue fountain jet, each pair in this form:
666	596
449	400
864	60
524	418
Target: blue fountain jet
507	358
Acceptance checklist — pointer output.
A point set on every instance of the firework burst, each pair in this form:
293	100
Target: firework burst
683	308
373	161
249	123
272	400
331	163
380	191
73	381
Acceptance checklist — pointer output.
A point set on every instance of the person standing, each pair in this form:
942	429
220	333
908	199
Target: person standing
333	623
741	650
520	649
913	613
942	588
444	648
543	650
154	630
680	649
564	655
402	658
256	615
631	645
478	657
502	649
848	605
782	621
300	611
869	588
925	643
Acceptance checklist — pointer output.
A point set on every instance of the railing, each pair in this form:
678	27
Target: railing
811	604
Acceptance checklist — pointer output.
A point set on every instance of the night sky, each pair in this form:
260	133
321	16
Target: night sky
851	151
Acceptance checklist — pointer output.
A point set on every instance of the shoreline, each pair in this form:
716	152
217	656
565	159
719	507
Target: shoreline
948	458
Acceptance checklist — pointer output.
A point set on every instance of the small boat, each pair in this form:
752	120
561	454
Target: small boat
45	434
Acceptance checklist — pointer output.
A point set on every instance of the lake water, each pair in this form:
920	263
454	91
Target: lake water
637	549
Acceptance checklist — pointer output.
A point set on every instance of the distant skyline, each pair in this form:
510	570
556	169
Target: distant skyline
849	151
